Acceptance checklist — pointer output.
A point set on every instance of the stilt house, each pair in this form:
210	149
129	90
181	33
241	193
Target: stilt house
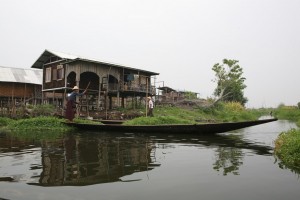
19	86
110	85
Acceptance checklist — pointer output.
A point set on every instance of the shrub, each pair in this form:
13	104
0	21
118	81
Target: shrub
287	148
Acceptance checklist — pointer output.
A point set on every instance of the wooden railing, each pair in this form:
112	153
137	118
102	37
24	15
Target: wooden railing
133	88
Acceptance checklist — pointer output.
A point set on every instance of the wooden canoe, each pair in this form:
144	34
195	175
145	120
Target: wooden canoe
176	128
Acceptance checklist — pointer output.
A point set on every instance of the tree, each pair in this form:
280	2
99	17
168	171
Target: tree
230	82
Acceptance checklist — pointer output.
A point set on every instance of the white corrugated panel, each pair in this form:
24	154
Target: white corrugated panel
19	75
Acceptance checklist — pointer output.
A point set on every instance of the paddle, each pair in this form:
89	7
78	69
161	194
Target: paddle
87	86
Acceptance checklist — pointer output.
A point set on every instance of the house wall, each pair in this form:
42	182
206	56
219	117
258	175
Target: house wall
19	90
57	82
99	69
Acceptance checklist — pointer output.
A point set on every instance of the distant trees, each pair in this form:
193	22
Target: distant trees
230	82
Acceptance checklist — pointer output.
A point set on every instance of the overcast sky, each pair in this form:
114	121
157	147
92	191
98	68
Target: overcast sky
180	39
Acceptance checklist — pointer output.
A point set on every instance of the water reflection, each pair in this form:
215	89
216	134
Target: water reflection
92	158
89	159
229	160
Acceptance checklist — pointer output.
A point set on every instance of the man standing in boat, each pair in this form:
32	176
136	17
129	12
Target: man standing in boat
71	104
150	107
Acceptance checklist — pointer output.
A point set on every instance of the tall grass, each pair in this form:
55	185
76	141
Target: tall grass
288	113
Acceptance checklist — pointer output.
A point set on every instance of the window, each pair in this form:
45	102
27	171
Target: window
48	75
54	74
60	72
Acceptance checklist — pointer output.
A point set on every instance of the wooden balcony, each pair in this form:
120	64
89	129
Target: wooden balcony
141	89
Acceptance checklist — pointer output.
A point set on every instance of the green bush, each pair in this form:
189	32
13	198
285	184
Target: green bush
287	148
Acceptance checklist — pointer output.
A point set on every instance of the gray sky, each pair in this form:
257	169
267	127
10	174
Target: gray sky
180	39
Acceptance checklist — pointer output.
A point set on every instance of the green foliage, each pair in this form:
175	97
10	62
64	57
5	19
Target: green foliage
43	110
230	82
38	123
298	123
222	112
291	113
158	121
234	106
261	111
232	112
298	104
287	148
190	95
175	111
4	121
36	128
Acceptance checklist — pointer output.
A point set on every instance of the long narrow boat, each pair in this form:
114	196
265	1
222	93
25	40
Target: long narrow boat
176	128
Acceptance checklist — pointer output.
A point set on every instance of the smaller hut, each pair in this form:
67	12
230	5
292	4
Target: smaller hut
19	86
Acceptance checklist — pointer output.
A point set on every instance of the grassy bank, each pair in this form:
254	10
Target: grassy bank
34	128
37	127
287	148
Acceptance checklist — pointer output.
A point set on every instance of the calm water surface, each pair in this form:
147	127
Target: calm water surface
86	165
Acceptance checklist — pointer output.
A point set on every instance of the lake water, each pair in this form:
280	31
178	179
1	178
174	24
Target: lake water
89	165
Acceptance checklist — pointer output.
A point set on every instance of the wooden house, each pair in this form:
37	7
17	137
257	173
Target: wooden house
167	95
110	85
19	86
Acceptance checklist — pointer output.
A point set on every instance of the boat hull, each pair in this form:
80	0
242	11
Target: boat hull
195	128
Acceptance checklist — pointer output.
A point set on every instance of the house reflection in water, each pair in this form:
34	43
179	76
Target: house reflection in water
87	160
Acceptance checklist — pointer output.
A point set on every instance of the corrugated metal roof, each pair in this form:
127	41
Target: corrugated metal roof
63	55
20	75
71	58
44	57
